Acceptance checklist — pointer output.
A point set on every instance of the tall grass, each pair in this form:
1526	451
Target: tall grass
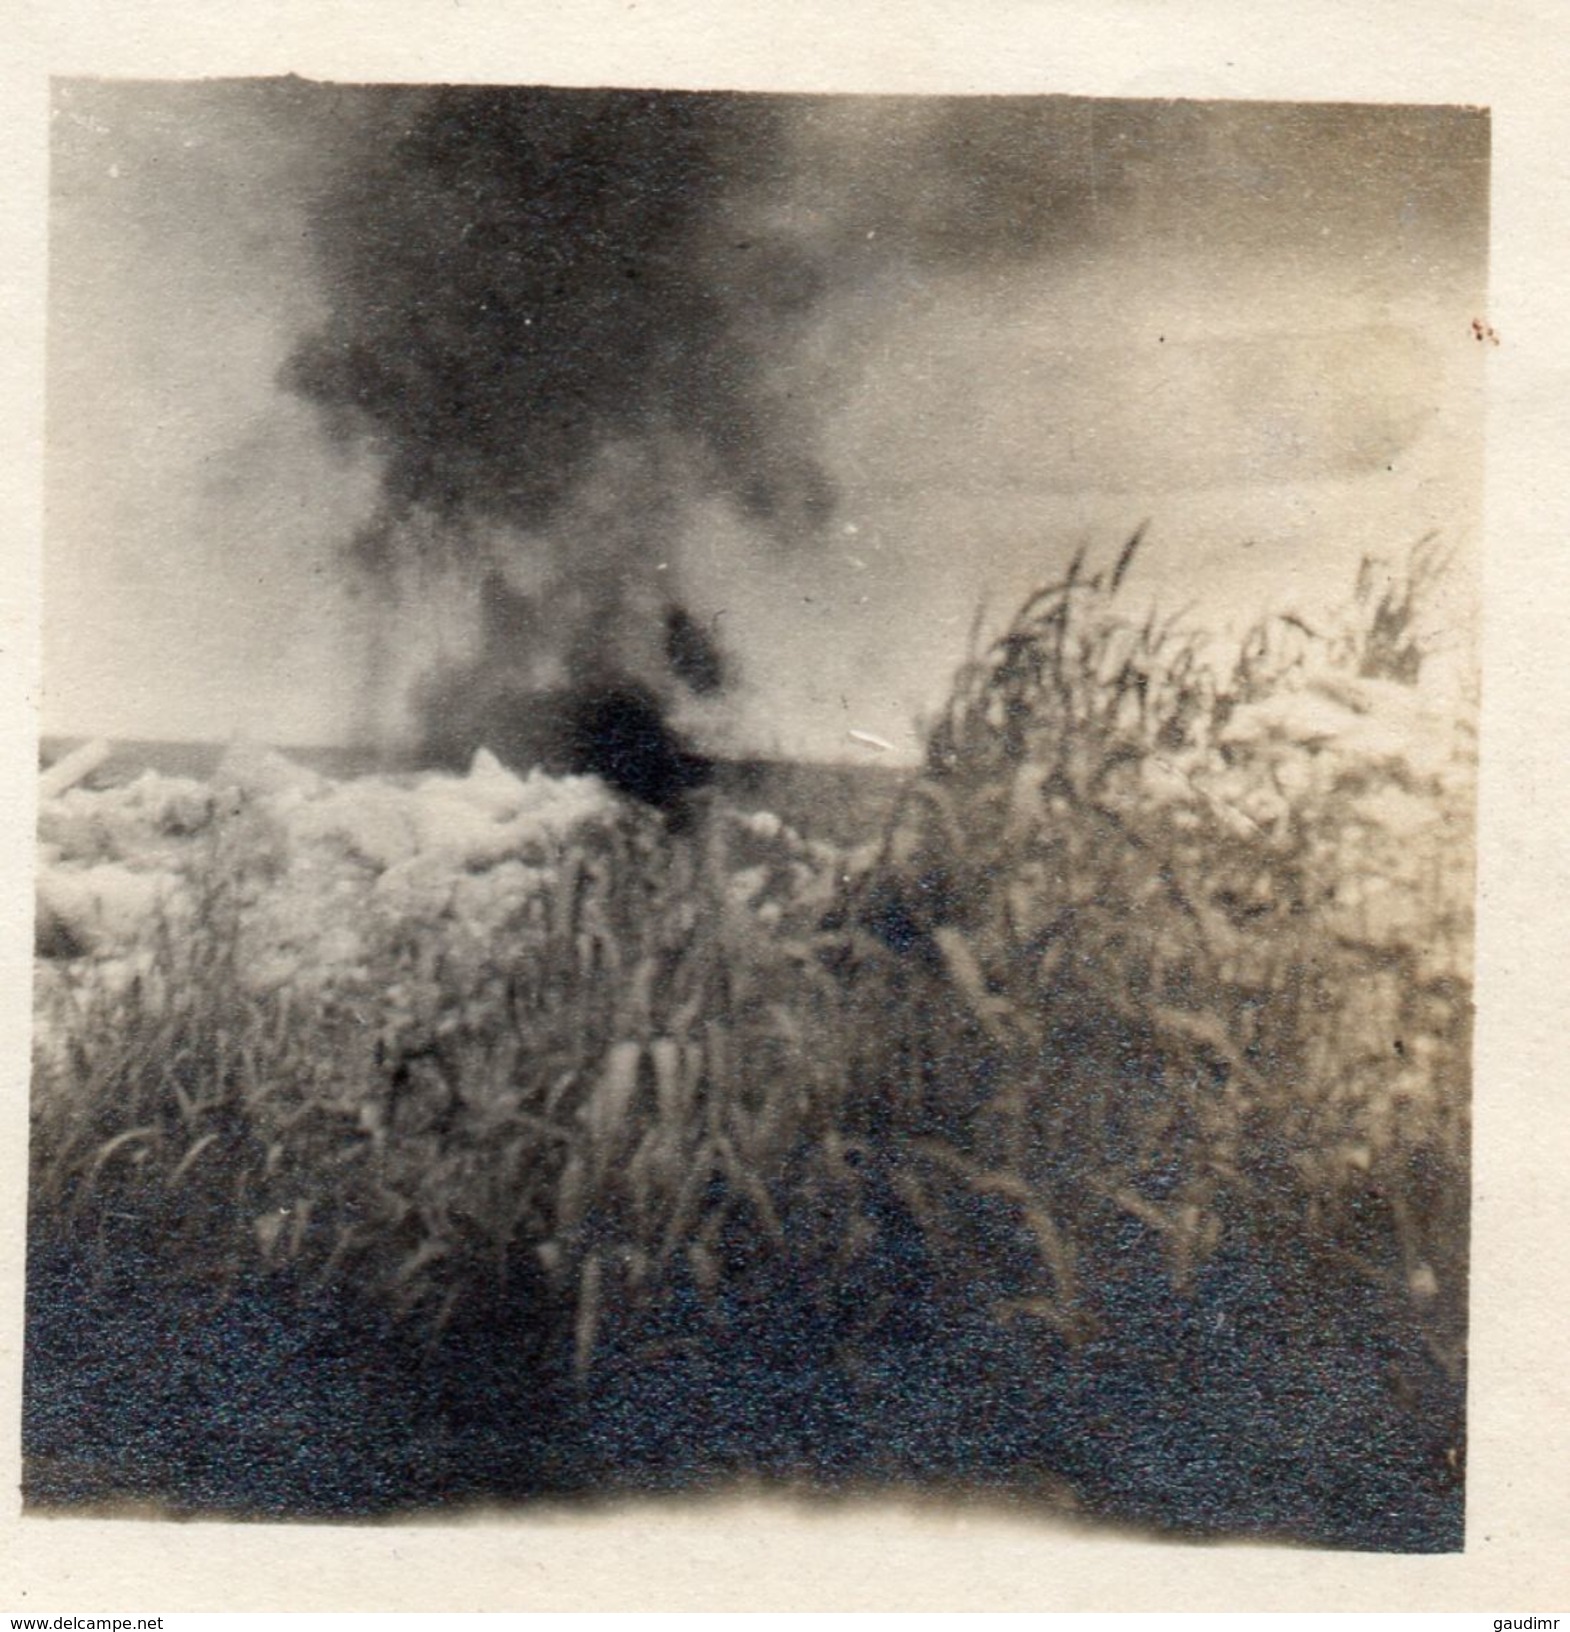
1196	977
605	1094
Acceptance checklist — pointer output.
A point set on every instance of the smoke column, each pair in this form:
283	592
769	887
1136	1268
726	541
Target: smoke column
552	314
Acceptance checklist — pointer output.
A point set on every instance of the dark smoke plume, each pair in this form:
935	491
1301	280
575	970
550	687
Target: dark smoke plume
527	276
553	314
692	654
603	723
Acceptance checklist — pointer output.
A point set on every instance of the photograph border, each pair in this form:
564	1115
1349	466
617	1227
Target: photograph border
767	1552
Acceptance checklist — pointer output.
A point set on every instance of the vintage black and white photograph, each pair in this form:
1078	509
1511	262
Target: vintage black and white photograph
757	793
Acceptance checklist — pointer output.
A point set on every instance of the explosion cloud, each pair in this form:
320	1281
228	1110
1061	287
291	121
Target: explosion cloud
550	313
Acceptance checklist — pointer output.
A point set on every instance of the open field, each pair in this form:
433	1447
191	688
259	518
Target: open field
1088	1121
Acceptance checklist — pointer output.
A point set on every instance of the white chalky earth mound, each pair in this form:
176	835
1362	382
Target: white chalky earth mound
321	866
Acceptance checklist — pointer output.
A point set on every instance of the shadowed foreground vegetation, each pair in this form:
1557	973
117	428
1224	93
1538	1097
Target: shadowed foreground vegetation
1096	1134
